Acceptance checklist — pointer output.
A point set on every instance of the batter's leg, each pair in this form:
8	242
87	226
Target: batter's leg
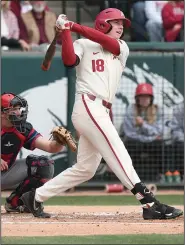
88	160
99	130
105	137
100	138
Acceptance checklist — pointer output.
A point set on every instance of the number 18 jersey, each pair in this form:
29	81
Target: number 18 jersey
99	71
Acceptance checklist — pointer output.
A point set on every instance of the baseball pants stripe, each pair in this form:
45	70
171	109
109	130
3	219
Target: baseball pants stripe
99	128
92	146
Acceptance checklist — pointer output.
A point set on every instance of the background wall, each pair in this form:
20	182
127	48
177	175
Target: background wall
51	94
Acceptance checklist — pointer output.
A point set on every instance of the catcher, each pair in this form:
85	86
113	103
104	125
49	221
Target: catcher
30	173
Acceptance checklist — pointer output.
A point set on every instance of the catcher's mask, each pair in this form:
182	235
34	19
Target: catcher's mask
15	108
102	20
144	89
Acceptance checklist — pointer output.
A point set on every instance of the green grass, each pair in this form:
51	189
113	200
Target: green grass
108	200
116	239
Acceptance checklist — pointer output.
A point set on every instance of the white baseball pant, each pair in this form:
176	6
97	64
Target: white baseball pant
98	138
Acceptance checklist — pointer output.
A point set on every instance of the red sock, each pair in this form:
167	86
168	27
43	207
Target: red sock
14	201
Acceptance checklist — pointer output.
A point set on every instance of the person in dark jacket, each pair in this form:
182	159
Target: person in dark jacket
138	18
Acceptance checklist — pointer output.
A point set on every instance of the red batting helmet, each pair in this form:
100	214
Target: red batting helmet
6	100
144	89
101	22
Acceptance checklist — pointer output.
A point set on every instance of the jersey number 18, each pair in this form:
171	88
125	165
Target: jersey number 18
98	65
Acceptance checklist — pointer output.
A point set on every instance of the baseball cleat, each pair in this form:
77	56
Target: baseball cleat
161	211
18	209
36	208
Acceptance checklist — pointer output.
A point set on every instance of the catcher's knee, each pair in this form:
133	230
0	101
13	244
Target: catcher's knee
41	167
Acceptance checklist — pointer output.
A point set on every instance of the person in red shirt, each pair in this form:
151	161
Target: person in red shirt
173	16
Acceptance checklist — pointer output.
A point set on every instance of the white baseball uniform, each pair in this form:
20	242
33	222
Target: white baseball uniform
98	76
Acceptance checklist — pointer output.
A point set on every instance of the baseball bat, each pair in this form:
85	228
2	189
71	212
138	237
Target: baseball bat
50	53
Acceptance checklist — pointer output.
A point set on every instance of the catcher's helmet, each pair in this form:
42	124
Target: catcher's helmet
144	89
10	101
103	18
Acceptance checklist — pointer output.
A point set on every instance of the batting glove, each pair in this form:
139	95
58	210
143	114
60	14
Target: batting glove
62	23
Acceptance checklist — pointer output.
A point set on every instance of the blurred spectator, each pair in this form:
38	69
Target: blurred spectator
100	3
143	129
177	129
103	4
10	30
173	21
138	18
18	7
119	4
40	26
154	24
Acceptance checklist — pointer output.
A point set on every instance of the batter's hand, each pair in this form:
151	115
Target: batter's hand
4	165
62	23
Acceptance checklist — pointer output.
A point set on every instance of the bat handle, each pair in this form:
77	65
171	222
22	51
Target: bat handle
48	58
45	67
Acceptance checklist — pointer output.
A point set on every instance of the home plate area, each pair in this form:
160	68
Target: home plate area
88	220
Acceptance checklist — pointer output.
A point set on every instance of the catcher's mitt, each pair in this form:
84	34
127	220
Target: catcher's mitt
64	137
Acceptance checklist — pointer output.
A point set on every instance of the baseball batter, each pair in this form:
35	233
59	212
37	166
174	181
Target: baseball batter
100	59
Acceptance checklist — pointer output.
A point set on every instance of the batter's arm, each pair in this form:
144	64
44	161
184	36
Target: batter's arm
105	41
69	57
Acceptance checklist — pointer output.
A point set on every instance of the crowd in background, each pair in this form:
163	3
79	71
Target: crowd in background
142	132
153	21
30	25
26	25
157	21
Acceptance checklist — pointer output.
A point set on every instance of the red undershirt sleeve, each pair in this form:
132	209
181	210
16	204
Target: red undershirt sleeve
107	42
68	54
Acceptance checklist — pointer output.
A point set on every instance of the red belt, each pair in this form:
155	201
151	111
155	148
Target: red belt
104	103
